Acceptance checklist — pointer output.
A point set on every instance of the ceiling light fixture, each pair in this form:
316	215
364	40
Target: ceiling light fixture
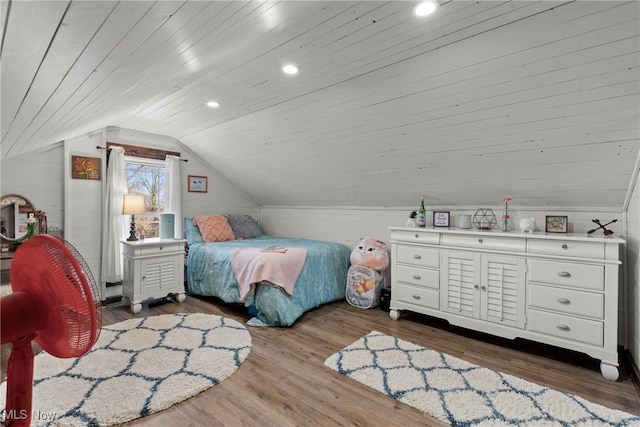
213	104
290	69
426	7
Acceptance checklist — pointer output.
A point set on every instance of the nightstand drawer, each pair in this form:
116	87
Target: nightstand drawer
567	248
155	250
418	276
419	296
419	256
568	301
567	274
417	236
485	242
567	327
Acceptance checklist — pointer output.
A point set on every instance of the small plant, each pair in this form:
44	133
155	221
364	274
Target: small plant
413	214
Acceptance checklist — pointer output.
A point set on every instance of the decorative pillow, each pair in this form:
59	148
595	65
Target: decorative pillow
214	228
244	226
191	232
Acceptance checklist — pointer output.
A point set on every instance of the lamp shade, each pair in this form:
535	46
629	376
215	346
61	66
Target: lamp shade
133	204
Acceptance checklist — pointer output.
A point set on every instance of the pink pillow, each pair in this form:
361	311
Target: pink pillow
214	228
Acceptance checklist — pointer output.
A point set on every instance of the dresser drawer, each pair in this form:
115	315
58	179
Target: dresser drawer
568	301
419	256
485	242
418	296
418	276
417	236
567	327
567	248
567	274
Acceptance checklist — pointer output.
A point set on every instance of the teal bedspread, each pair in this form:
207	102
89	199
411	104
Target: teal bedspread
322	279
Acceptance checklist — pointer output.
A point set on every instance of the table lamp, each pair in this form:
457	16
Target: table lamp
133	204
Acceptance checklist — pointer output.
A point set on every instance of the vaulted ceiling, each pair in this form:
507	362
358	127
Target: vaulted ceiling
535	99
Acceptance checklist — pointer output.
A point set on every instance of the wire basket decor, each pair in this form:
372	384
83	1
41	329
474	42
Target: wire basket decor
484	219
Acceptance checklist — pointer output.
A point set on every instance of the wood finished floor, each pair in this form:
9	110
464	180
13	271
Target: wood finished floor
284	381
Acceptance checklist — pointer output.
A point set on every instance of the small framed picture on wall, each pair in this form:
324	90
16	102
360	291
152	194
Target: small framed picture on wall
197	184
556	224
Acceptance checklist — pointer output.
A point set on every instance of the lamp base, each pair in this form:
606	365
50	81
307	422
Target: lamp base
132	230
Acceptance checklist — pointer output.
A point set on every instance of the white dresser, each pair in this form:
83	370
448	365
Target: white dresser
153	269
558	289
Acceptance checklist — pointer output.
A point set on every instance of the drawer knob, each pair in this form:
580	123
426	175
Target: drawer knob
160	247
417	257
564	328
564	301
479	240
483	287
476	287
564	274
417	235
416	276
565	246
416	297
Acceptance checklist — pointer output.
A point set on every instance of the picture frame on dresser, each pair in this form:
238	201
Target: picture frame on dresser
556	224
441	219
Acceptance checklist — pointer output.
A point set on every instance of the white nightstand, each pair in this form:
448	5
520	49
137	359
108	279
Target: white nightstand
153	269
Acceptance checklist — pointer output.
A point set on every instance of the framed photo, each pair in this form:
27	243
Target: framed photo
83	167
197	184
556	224
441	219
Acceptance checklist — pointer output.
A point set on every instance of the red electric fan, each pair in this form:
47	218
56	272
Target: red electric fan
55	301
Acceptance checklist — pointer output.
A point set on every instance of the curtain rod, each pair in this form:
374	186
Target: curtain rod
109	149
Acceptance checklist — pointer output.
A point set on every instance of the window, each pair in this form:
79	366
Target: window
147	177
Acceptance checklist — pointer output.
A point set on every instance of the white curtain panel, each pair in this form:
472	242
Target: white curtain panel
114	224
173	203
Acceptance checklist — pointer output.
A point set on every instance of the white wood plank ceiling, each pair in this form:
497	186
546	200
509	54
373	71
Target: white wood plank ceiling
535	99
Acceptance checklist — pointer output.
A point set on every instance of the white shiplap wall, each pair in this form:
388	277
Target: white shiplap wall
39	177
349	225
632	271
221	196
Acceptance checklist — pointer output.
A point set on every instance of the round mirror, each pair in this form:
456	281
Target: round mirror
14	211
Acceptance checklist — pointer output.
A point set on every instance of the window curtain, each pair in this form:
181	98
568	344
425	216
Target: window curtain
173	189
114	224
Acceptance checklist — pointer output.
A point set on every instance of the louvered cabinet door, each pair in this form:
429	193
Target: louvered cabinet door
460	276
502	290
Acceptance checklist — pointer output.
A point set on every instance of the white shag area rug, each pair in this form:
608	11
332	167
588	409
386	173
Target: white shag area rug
461	393
137	367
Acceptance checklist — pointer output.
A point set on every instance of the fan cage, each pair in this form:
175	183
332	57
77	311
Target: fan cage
54	271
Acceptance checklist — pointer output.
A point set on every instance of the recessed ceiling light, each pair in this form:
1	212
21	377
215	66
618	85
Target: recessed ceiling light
426	7
290	69
213	104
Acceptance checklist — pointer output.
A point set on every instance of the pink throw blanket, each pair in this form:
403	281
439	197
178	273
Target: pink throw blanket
277	267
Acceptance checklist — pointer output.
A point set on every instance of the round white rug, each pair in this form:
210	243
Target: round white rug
137	367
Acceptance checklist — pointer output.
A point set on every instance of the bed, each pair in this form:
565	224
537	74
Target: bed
321	280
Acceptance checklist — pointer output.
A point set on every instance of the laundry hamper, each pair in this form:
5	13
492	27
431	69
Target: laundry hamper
363	286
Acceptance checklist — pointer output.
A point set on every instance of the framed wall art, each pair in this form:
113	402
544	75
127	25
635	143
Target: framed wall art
83	167
556	224
197	184
441	219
